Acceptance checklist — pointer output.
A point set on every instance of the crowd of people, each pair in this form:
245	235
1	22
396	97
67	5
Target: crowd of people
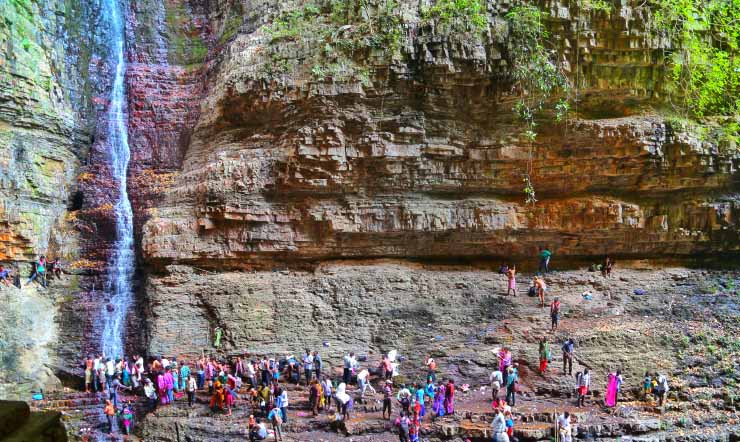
260	383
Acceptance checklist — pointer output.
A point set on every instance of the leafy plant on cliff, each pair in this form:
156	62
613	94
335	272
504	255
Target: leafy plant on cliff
536	75
340	35
464	16
701	41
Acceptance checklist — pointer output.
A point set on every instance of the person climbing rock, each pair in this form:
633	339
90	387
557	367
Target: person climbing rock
554	314
5	277
39	271
431	368
363	381
568	348
544	353
114	388
545	255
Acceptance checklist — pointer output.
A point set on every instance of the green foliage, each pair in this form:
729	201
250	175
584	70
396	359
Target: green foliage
467	16
537	76
340	34
704	69
595	5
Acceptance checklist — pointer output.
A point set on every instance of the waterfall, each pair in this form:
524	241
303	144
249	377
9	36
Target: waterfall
122	262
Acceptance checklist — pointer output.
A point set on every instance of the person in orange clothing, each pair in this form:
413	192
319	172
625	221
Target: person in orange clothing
110	414
217	400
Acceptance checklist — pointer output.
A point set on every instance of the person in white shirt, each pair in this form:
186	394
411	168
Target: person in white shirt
364	382
566	434
498	427
349	364
583	382
308	366
190	387
496	379
165	363
110	370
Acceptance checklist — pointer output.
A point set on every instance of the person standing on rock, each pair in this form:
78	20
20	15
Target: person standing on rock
583	382
504	361
403	423
511	278
431	369
327	390
276	418
190	386
281	401
661	390
88	374
610	396
496	380
308	366
317	365
541	287
564	427
349	364
498	427
151	395
568	348
110	415
511	382
314	392
545	255
544	352
554	314
449	402
184	375
169	383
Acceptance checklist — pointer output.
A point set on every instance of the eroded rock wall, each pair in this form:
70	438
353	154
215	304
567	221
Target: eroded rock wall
426	159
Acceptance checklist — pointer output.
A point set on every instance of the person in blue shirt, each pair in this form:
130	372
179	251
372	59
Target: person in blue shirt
276	418
568	356
511	382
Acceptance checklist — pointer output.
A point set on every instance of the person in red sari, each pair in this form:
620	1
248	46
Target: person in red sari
449	402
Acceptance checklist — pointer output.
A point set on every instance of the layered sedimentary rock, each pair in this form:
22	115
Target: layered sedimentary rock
426	159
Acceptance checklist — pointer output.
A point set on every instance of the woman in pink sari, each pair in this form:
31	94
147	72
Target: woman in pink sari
610	397
504	362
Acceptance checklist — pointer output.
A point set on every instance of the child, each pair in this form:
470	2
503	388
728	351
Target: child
647	385
128	418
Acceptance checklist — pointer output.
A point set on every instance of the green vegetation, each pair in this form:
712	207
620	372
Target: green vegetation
341	34
461	16
704	67
536	75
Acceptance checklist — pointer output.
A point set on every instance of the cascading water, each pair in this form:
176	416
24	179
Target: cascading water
122	260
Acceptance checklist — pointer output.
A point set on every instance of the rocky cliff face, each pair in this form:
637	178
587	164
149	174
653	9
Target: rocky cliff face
258	151
424	158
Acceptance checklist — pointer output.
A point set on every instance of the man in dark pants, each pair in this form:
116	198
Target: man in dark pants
511	382
568	356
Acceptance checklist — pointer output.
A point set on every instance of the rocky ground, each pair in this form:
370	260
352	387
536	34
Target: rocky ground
685	325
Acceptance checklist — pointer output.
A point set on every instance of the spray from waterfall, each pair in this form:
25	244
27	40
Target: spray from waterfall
122	260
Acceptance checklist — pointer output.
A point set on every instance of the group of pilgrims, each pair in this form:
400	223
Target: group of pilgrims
261	382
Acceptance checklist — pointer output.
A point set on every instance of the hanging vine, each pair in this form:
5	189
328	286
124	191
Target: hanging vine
537	78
